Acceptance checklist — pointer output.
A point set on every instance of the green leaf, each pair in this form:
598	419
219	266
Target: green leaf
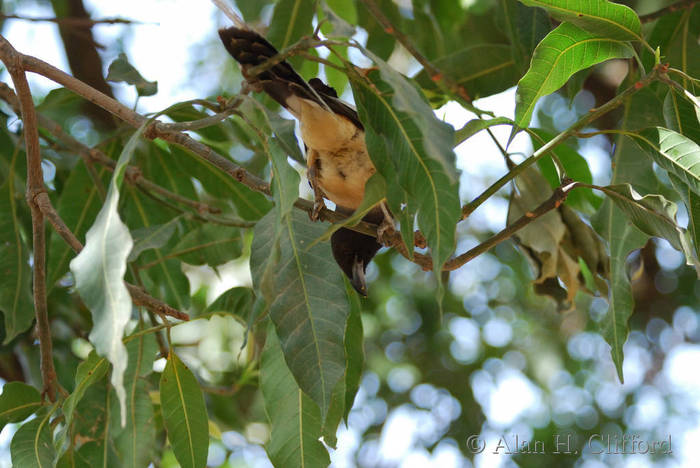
152	237
89	371
295	420
562	53
308	305
354	350
209	244
419	147
692	203
612	224
481	69
235	301
601	17
675	34
184	413
341	15
285	180
346	388
99	277
653	215
674	152
682	115
378	40
291	20
135	442
169	283
17	402
16	301
96	423
187	112
250	205
474	126
32	444
284	135
121	70
525	27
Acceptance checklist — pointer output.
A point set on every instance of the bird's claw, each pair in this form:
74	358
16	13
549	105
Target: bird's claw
315	213
386	231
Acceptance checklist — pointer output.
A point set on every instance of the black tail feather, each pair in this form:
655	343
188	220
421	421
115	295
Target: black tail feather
281	81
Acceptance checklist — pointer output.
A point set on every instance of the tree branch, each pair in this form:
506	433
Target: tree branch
71	21
682	5
35	188
162	131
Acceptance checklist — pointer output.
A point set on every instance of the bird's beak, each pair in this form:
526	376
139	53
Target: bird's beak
358	276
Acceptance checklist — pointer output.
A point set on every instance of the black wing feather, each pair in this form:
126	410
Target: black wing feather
281	81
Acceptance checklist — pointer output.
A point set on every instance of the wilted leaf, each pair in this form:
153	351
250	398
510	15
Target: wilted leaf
78	205
99	277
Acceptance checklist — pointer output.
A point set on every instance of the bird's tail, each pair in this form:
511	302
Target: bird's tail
280	81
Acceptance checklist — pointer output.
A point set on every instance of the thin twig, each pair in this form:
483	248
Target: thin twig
682	5
435	75
557	198
35	188
71	21
592	115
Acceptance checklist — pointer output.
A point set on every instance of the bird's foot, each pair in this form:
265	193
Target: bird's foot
386	231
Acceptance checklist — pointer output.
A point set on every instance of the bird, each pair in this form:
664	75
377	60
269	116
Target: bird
338	164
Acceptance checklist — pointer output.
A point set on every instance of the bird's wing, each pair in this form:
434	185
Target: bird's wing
280	81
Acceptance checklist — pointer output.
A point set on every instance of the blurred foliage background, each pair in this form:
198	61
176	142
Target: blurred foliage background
500	361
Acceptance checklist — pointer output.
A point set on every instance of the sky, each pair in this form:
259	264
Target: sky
167	43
